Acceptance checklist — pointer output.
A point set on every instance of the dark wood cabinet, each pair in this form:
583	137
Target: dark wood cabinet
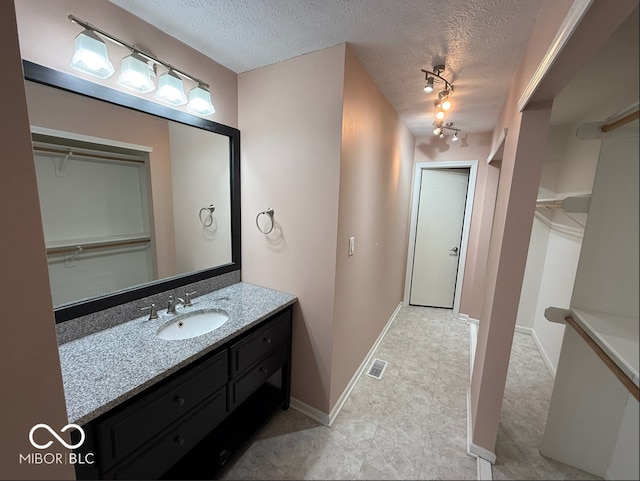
192	424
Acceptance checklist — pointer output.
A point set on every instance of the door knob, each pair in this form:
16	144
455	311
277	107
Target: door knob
453	249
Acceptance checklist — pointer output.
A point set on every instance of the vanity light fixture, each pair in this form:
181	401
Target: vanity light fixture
170	89
135	74
200	101
90	55
136	70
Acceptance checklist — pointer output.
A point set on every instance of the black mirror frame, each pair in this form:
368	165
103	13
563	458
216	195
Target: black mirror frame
53	78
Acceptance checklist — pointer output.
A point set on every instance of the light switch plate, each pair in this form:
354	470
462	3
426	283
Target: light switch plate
352	245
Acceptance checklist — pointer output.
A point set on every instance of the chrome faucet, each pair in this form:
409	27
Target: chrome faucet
172	304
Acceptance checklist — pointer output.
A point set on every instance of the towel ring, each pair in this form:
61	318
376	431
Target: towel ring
269	212
208	219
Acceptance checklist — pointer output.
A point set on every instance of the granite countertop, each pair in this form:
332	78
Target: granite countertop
101	370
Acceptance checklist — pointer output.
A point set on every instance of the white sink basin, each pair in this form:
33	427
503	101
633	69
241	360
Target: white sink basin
187	326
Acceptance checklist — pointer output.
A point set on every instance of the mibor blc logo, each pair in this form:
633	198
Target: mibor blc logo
55	457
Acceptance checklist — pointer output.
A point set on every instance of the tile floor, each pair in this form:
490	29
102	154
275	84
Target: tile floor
412	423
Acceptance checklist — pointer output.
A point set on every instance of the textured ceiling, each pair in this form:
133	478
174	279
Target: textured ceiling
480	42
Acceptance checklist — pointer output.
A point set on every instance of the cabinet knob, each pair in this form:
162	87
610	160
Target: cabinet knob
179	401
267	340
224	456
178	440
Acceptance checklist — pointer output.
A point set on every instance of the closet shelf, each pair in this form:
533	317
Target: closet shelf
68	246
616	335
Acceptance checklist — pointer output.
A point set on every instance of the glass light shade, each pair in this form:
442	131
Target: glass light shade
439	114
455	137
445	104
200	101
437	131
90	55
134	74
170	89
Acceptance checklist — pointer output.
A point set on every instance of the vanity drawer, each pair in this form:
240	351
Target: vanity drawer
127	430
256	345
241	388
168	449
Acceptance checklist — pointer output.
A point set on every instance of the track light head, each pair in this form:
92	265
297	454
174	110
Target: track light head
429	86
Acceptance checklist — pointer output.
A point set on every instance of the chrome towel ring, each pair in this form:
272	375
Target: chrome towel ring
208	218
269	212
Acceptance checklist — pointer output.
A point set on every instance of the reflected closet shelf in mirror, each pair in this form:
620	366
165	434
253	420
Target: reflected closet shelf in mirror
63	247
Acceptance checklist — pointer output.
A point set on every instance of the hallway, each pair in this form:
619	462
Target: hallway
412	424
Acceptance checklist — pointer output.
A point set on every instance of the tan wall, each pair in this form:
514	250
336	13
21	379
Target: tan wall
375	187
290	116
47	36
31	379
472	147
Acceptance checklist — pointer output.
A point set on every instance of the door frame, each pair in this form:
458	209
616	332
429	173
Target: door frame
472	165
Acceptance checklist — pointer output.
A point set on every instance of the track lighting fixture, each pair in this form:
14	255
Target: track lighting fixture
443	104
90	56
441	130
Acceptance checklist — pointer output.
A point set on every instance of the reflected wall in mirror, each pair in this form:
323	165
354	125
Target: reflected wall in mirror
136	198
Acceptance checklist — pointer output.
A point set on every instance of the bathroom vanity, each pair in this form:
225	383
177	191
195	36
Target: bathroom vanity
179	409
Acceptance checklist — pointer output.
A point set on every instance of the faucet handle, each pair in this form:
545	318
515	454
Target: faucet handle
187	298
153	312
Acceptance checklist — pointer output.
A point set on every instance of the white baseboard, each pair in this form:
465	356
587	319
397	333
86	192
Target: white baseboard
484	470
463	317
540	347
328	420
474	449
543	353
310	411
524	330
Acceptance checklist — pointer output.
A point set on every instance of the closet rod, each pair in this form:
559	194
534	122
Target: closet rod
80	154
620	122
613	367
97	245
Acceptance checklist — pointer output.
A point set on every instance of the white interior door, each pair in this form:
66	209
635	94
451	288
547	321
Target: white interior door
441	208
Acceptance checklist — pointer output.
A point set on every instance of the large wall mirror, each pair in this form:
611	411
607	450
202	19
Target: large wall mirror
136	198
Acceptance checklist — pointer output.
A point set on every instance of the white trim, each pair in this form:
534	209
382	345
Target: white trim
472	165
524	330
494	151
88	138
310	411
473	343
484	470
327	420
556	226
569	25
543	353
463	317
474	449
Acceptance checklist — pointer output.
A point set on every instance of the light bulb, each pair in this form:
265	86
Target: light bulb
439	114
437	131
445	104
455	137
